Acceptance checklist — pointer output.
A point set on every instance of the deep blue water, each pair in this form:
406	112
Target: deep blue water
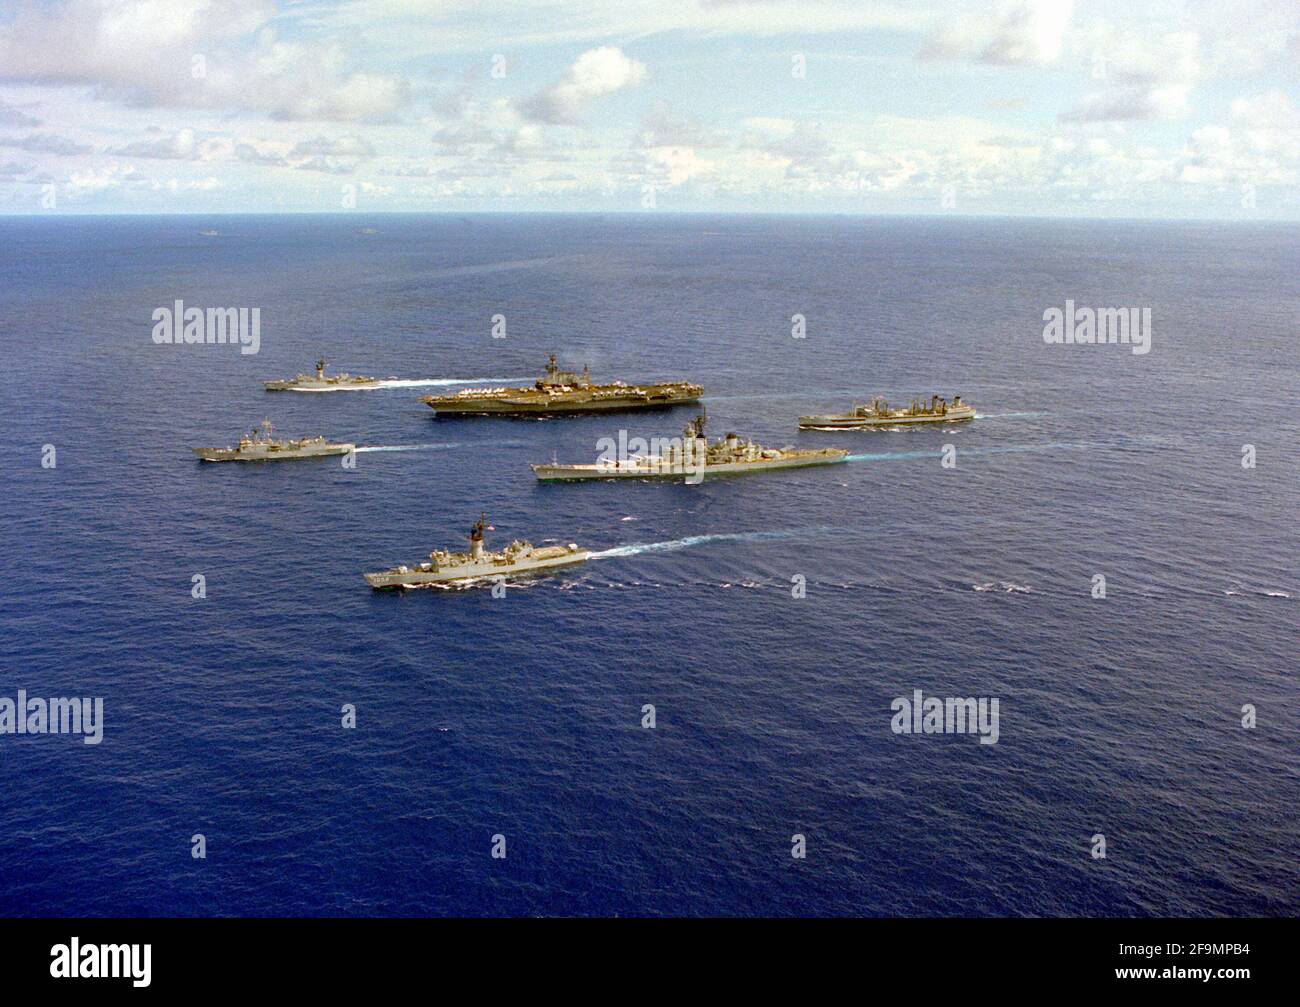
522	715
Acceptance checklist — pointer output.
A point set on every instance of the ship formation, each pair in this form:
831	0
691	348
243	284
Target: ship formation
689	458
558	392
692	458
261	446
444	567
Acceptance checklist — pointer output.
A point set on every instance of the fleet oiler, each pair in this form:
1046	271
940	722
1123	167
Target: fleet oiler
877	413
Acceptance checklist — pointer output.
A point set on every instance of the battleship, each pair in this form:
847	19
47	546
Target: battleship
691	458
322	382
878	414
260	446
558	392
445	567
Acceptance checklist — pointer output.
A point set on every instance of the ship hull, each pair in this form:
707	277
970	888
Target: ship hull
471	572
851	422
586	473
231	455
535	404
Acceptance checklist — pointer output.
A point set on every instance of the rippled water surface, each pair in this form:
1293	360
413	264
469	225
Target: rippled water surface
521	715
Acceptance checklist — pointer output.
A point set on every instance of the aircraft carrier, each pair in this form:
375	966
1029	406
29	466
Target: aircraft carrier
559	392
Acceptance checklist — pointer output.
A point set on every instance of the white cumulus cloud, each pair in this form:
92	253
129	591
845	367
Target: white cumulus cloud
1023	33
596	73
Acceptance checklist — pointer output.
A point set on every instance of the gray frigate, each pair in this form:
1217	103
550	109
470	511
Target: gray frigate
261	446
322	382
445	567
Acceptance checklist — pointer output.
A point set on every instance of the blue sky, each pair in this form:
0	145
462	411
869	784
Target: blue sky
1034	107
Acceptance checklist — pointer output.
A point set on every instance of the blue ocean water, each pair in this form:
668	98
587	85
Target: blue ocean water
521	716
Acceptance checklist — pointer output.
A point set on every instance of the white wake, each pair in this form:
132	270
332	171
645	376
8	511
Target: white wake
407	447
693	540
414	383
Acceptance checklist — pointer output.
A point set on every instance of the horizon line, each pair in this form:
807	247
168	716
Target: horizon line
648	214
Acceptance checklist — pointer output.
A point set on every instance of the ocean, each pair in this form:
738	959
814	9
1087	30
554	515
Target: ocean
521	717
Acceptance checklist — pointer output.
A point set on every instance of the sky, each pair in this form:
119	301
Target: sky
1089	108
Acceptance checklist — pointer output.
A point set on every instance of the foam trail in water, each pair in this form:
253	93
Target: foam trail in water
415	383
440	447
408	447
904	455
686	543
423	382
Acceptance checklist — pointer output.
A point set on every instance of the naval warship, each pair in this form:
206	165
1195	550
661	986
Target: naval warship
878	414
446	567
321	382
692	458
260	446
558	392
